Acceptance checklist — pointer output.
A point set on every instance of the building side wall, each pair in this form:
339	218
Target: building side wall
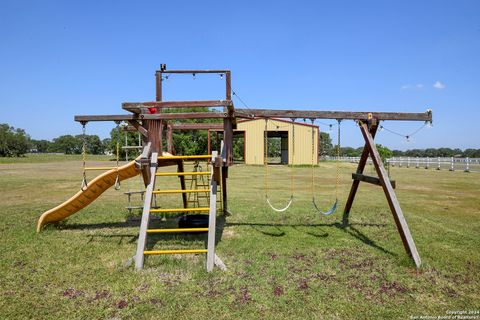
299	151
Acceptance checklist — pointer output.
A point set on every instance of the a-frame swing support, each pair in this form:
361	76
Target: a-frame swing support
368	133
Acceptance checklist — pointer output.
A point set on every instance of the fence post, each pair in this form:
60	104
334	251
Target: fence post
418	163
400	162
451	164
467	168
426	163
408	162
438	163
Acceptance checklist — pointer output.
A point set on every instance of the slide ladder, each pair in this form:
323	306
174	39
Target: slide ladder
211	189
199	183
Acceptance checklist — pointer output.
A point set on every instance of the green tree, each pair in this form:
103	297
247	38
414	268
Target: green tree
398	153
325	144
190	142
471	153
274	147
93	143
350	152
238	148
67	144
385	153
40	146
13	142
110	144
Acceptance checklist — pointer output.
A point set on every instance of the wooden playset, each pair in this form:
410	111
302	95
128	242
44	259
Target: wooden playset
156	126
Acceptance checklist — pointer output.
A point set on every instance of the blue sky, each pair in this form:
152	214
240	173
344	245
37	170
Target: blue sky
62	58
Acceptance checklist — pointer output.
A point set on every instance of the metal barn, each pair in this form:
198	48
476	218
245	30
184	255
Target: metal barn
295	140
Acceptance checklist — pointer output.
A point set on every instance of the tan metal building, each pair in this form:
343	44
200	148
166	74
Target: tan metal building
295	140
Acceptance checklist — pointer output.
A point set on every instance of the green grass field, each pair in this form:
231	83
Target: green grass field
296	265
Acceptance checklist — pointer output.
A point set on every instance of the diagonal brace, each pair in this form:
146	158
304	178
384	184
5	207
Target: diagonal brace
393	203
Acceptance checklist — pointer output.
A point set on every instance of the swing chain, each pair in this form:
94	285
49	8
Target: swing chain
334	207
265	162
292	186
117	180
338	158
84	184
265	158
313	155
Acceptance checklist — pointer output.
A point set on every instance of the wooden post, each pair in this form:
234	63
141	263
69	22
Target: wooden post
142	236
224	189
212	219
158	85
361	166
180	168
400	221
228	140
209	143
224	178
155	130
228	85
170	139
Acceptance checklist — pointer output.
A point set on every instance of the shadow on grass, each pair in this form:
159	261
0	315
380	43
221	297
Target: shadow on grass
349	229
268	229
152	239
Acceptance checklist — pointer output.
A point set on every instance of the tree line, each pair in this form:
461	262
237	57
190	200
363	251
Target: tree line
16	142
421	153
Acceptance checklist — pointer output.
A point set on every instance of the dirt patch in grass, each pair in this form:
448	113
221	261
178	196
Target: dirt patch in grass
72	293
278	291
243	296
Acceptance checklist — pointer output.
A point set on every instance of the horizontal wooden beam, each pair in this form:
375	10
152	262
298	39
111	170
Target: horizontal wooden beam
197	126
193	71
339	115
157	116
141	107
118	117
370	179
264	113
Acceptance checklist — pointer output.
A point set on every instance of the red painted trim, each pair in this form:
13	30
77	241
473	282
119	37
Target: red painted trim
281	120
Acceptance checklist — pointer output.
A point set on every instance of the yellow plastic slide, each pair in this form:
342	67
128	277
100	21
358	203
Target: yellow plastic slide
83	198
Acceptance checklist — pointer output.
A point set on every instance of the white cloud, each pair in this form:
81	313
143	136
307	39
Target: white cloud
438	85
411	86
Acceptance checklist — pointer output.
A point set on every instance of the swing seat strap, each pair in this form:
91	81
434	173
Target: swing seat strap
282	209
325	213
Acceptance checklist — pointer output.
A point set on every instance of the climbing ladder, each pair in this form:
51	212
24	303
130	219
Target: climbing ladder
200	183
212	189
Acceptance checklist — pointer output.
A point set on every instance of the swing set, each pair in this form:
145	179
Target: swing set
292	184
150	120
84	184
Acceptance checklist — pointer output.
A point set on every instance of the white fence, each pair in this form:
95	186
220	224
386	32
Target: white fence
438	163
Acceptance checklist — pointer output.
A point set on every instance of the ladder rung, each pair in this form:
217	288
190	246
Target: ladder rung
181	191
184	157
100	168
179	210
177	230
195	173
175	251
134	192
